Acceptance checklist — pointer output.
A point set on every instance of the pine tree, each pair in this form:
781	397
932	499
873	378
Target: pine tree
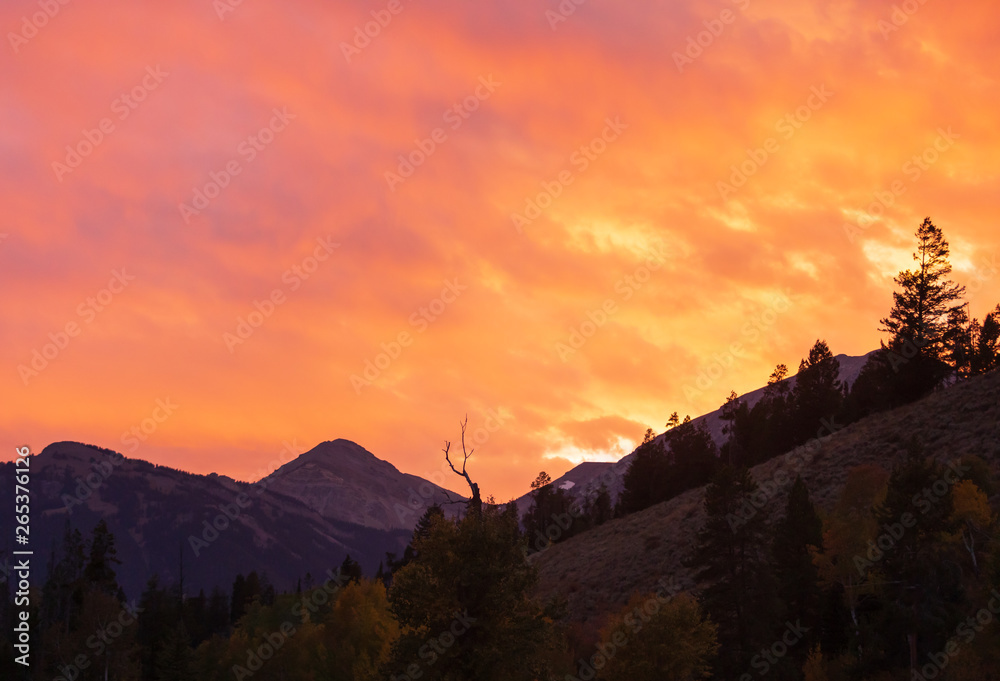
645	477
918	319
351	569
238	600
818	393
599	510
729	413
731	557
985	344
796	537
100	572
693	457
958	342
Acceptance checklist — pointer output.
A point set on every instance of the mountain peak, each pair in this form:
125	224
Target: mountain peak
342	479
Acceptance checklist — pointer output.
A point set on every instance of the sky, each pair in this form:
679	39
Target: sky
234	230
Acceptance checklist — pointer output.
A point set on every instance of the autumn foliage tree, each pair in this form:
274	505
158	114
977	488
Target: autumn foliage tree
468	589
676	641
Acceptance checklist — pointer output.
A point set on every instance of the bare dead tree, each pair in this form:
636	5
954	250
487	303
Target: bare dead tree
475	501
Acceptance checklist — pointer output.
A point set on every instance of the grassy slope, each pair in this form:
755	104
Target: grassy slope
598	570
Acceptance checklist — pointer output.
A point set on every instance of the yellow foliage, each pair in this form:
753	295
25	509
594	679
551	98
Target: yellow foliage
971	505
815	667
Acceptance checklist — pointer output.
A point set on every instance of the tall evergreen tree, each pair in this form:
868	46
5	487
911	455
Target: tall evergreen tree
351	569
644	478
985	344
958	342
731	558
818	393
599	509
918	320
796	536
548	513
103	556
693	457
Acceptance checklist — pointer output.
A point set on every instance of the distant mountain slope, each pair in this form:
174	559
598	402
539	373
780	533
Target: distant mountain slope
587	476
598	569
343	481
335	500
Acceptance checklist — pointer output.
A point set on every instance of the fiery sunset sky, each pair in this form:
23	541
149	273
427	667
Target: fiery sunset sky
666	179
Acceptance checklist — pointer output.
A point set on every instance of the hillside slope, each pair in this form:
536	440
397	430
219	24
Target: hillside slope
587	477
597	571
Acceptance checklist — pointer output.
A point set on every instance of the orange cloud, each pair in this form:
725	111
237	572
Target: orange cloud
493	349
